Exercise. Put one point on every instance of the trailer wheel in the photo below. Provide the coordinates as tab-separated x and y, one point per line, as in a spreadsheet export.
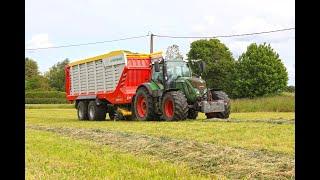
220	95
96	112
82	110
174	106
143	106
192	114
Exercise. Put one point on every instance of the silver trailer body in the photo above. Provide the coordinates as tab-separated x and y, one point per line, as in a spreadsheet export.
97	74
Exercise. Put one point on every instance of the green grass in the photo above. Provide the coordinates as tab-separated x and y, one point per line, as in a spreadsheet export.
277	138
281	103
50	156
45	94
45	97
49	106
46	101
204	158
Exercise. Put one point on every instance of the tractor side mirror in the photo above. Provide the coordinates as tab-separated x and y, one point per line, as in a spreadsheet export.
156	66
202	66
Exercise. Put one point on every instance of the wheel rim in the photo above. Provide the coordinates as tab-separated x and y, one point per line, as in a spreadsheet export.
80	114
168	108
141	106
91	112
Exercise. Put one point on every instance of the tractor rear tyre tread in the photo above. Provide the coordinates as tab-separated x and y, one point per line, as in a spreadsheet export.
180	106
150	112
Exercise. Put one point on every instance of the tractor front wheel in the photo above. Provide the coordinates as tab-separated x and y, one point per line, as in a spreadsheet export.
174	106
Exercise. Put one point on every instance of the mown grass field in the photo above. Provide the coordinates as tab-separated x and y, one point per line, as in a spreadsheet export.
50	156
262	135
247	145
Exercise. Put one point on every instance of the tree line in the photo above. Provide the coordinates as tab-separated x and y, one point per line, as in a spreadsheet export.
52	80
257	72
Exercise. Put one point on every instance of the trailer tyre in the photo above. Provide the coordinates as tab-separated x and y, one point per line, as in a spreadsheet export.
82	110
220	95
174	106
143	106
96	112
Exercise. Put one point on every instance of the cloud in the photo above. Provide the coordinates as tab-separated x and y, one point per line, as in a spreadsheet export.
210	19
253	24
39	41
199	28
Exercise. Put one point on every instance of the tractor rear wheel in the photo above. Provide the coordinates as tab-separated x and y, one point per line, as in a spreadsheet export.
82	110
96	112
143	106
174	106
220	95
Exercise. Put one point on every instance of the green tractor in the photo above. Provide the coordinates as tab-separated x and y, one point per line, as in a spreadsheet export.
174	94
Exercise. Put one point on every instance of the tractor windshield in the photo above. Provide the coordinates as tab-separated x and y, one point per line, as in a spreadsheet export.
177	68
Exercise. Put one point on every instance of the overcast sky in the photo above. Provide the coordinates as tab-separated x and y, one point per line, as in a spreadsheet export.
61	22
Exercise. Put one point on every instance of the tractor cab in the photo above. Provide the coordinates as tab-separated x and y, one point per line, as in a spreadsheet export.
175	68
178	76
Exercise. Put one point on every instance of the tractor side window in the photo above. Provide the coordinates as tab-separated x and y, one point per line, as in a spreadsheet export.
157	76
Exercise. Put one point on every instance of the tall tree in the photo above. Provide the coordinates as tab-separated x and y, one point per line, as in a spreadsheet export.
38	82
259	72
219	63
31	68
56	75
